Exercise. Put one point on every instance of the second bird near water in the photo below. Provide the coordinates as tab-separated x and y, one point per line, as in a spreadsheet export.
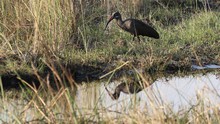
134	26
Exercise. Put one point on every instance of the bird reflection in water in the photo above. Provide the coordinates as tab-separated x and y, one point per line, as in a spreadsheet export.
131	86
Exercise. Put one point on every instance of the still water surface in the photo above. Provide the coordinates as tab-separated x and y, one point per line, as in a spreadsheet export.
176	93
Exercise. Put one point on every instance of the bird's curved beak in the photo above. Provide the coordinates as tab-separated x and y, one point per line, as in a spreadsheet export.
113	96
109	21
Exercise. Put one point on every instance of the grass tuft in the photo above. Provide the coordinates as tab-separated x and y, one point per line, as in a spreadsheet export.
54	42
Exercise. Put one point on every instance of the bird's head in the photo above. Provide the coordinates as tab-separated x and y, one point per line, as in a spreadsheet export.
115	15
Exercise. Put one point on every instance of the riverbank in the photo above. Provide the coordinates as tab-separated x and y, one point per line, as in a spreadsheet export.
52	38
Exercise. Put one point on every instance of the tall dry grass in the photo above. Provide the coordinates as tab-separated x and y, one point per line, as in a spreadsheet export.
35	34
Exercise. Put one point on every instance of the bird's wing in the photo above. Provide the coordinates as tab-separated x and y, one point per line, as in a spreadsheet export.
141	26
145	29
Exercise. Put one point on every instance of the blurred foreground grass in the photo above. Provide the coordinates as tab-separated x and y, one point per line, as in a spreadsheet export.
60	36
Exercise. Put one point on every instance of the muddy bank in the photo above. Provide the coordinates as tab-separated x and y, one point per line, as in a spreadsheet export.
78	73
71	74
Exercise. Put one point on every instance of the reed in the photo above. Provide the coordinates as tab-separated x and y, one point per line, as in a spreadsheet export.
40	36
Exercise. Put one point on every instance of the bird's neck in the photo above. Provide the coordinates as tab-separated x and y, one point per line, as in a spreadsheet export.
120	22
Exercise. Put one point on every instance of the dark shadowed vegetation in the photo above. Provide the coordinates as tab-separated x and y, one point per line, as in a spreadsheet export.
52	43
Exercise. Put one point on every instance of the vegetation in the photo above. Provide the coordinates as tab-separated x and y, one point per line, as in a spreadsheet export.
49	41
71	32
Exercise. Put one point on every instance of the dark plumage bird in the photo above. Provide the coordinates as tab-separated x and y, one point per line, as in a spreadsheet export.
127	88
134	26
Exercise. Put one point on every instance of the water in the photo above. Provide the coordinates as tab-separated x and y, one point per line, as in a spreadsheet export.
176	93
211	66
172	93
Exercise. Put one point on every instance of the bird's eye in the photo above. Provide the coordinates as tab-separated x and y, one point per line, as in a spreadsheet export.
116	17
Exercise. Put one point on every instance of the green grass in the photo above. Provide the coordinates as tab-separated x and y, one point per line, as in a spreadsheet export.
52	37
32	32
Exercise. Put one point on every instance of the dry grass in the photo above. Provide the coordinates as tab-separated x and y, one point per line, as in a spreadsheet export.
49	37
72	32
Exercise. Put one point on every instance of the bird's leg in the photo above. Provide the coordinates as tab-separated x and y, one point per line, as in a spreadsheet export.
138	38
134	37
